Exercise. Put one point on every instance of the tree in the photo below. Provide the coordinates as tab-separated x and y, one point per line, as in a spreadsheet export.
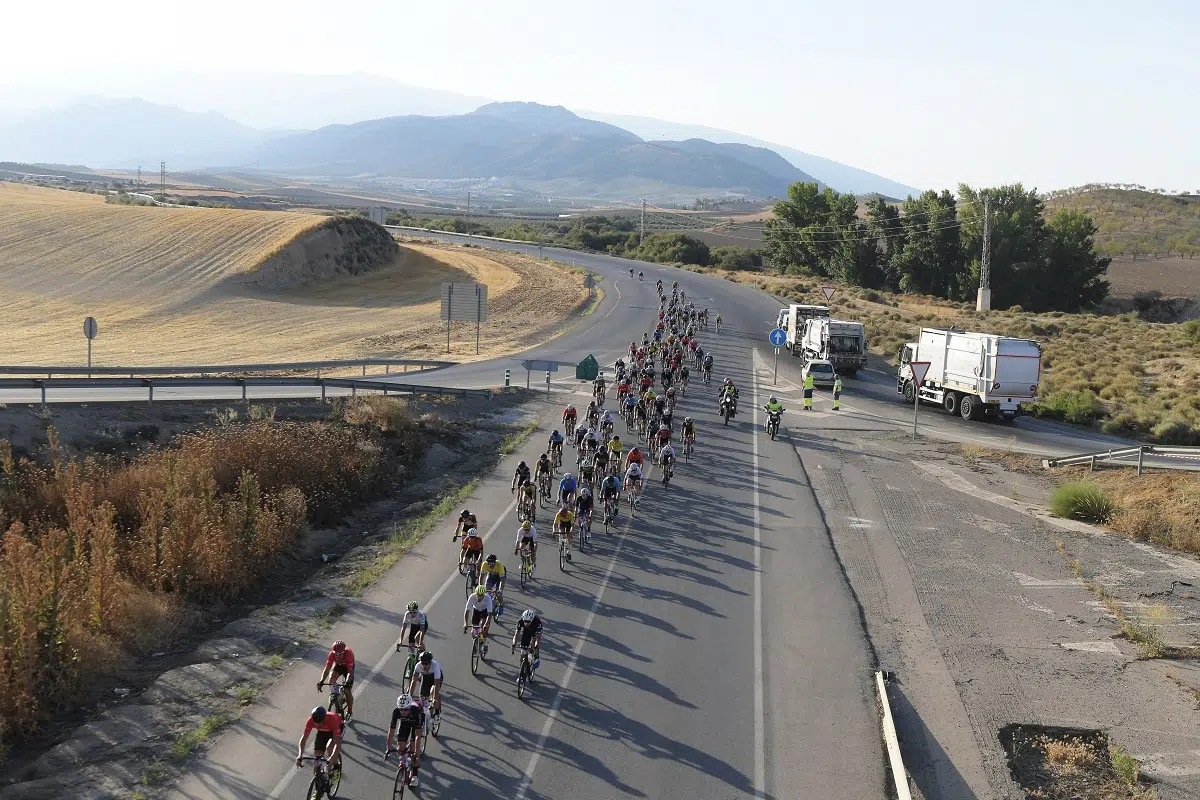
931	260
1073	269
886	230
1018	229
808	228
671	248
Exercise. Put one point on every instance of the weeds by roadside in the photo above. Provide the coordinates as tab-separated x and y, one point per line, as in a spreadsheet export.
1082	501
187	743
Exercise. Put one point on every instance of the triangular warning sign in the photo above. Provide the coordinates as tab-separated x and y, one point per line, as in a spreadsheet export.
919	369
828	290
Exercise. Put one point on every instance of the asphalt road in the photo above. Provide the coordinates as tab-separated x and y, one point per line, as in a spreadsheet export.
709	647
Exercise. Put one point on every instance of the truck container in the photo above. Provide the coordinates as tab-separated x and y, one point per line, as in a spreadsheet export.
841	343
797	316
972	374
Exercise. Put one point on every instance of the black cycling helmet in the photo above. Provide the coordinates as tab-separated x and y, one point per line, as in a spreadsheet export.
427	658
466	513
491	559
318	714
522	465
544	457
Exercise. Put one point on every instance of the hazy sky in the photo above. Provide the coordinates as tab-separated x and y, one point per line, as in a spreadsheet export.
1052	93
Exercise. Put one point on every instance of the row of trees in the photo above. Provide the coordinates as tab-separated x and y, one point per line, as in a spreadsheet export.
934	243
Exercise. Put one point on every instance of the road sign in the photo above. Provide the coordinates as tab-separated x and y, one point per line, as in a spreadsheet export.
532	364
919	370
464	302
588	281
89	328
778	337
828	292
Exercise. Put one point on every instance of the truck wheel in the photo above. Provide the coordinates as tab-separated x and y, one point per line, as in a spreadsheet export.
910	393
950	402
1008	419
968	408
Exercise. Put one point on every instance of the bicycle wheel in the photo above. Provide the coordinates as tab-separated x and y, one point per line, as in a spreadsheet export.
435	723
475	656
524	572
410	667
522	680
335	780
315	789
470	582
401	782
562	554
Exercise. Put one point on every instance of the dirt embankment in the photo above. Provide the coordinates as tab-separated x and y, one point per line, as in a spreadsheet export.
336	248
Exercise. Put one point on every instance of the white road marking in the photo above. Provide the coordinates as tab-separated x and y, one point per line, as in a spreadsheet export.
614	308
286	780
1029	580
1092	647
760	765
579	643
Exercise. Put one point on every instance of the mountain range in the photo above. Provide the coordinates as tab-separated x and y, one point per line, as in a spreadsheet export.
544	148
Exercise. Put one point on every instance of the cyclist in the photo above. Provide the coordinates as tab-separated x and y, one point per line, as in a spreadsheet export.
584	505
593	414
479	611
689	430
410	718
598	386
563	522
555	442
639	275
529	632
527	535
429	673
684	375
666	458
527	498
631	272
465	520
329	727
472	546
664	435
520	476
631	402
568	418
634	457
418	625
543	467
610	489
633	479
623	387
601	461
340	661
708	365
492	574
591	442
580	433
587	470
566	489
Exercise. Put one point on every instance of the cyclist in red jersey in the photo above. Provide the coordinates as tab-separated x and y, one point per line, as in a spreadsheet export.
329	727
340	662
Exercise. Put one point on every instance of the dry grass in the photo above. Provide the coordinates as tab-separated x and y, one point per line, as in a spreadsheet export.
103	560
1131	377
165	285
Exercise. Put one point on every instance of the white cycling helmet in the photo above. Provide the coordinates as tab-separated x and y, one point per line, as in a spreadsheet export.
403	701
527	615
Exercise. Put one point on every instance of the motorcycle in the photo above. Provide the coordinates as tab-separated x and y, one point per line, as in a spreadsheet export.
773	422
727	410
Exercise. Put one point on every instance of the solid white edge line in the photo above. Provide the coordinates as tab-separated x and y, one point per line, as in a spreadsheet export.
617	303
899	774
760	758
527	780
287	779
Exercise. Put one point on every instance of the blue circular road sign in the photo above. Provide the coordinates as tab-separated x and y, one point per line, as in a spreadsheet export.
778	337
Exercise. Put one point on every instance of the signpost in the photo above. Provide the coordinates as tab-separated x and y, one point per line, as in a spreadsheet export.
919	368
464	302
529	365
828	292
90	330
778	337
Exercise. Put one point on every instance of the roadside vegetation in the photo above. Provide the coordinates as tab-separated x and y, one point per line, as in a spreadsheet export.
1136	222
102	560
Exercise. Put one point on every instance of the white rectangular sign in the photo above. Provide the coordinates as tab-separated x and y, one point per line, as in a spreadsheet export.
464	302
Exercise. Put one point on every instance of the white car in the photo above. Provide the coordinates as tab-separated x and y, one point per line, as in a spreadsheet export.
822	372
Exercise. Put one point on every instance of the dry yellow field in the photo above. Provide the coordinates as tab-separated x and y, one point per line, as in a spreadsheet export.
163	286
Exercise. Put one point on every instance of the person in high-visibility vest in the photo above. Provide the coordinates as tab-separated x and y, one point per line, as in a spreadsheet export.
837	393
808	392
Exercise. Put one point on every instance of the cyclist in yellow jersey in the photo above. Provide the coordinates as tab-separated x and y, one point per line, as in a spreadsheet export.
492	575
616	447
564	520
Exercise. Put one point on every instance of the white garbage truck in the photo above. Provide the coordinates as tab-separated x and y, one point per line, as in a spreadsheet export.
972	374
841	343
794	320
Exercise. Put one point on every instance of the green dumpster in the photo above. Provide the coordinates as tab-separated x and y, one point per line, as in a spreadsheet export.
588	369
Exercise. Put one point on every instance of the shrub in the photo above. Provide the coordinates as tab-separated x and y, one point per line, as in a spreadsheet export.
1082	501
1175	430
1191	331
1077	406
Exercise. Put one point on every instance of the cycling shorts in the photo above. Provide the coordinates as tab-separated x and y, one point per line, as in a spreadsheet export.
493	580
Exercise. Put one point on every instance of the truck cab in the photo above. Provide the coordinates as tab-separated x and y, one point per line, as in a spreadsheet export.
798	316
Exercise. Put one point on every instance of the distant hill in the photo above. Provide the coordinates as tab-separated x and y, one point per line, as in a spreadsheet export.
840	176
538	145
1136	223
124	133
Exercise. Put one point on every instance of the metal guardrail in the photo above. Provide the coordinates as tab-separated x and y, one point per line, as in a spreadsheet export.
50	371
1119	457
149	384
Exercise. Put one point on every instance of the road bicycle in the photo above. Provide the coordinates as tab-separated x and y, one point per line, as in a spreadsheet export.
525	674
526	510
337	700
543	488
325	781
410	665
583	532
610	512
477	645
668	471
403	771
472	572
556	455
564	551
689	447
433	723
526	565
633	498
569	429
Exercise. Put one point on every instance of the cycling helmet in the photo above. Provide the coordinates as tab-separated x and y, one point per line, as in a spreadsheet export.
527	615
465	513
544	457
616	437
339	646
568	475
413	606
427	658
473	532
729	381
555	432
491	559
522	465
526	525
480	591
318	714
403	701
585	492
687	419
570	407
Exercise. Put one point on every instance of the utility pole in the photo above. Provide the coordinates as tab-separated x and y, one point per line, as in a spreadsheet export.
642	235
983	302
162	181
139	180
468	218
